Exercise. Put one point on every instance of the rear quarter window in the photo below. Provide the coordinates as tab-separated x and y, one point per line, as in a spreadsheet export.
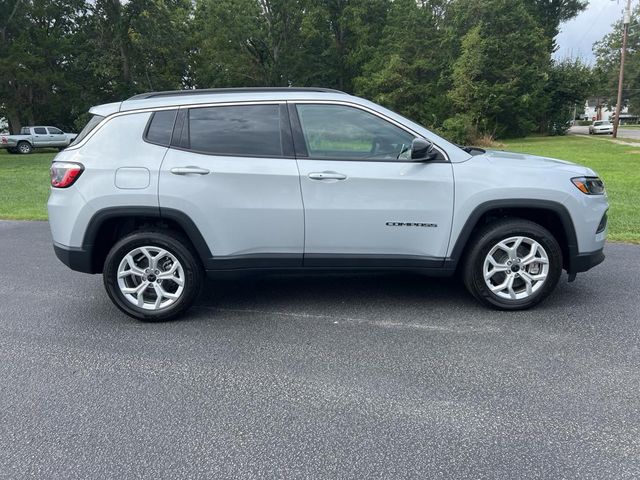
88	128
160	127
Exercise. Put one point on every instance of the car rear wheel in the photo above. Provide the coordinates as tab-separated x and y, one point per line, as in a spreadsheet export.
152	275
24	147
512	264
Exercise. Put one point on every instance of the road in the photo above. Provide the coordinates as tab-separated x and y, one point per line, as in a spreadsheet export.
383	376
622	132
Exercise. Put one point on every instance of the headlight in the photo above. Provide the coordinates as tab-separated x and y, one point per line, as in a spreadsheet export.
589	185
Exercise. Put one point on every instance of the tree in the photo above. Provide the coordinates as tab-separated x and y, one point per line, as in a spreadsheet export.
246	42
608	64
468	66
136	46
36	59
499	74
339	37
570	83
551	13
407	72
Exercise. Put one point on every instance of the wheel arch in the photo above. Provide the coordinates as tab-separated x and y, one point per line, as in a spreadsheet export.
108	225
551	215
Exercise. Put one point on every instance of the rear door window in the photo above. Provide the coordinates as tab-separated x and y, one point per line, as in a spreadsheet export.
40	131
243	130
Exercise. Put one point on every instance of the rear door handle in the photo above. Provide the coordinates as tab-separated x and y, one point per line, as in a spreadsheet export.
327	176
189	171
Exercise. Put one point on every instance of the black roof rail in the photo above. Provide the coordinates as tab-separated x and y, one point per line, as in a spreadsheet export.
209	91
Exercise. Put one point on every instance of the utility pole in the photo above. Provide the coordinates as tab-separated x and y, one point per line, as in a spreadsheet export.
625	21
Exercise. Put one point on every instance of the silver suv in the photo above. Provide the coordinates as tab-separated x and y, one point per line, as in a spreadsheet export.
165	187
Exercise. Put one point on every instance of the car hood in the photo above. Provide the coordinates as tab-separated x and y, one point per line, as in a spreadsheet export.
523	160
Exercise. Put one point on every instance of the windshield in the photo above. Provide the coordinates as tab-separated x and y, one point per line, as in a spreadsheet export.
91	124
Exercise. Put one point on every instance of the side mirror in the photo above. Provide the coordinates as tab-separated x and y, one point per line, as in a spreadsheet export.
422	150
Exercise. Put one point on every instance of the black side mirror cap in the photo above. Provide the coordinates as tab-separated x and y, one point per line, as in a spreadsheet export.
422	150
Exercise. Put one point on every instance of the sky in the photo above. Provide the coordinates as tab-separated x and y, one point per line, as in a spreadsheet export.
577	36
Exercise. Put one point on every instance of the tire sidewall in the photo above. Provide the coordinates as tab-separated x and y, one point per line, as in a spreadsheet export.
190	264
490	238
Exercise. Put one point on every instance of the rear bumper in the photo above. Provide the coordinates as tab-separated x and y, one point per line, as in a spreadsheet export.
75	258
585	261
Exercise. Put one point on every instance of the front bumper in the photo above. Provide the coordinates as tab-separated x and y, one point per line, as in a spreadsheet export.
585	261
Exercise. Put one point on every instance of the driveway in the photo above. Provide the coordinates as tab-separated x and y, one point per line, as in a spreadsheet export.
382	376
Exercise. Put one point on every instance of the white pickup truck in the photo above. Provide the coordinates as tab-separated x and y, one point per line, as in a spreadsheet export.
36	137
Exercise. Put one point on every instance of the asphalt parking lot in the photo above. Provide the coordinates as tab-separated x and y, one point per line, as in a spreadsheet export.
384	376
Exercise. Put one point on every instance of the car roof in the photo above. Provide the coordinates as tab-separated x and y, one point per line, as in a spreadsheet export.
217	95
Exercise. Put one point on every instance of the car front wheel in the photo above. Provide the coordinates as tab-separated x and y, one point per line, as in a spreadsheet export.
512	264
152	275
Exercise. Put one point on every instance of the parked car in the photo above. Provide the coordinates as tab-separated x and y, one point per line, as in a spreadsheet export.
164	187
36	137
601	126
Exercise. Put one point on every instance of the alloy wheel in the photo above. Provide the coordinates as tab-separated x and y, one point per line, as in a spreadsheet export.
516	268
151	278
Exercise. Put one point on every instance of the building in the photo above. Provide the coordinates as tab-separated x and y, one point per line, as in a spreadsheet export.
597	108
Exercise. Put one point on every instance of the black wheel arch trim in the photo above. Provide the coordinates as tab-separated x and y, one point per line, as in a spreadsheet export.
519	203
182	219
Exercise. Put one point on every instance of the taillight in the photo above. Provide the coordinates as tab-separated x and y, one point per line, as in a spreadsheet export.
64	174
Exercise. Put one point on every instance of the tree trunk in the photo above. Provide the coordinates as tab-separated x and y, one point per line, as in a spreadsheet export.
14	123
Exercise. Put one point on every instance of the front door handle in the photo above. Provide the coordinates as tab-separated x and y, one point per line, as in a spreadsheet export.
189	171
327	176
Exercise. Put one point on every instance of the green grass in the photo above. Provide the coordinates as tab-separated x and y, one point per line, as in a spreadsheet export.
24	185
24	179
618	165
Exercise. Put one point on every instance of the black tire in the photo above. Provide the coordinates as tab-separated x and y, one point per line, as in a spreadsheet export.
24	148
489	236
176	245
